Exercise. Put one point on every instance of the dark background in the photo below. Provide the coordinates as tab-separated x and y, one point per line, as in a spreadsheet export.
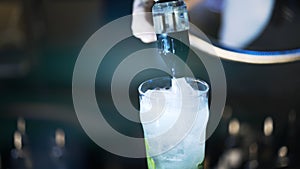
39	43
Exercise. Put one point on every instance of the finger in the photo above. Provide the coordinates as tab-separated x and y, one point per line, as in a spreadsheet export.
147	38
142	29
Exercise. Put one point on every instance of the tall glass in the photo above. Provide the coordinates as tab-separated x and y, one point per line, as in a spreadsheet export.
174	115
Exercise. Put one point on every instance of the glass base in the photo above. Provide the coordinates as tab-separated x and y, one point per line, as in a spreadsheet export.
151	164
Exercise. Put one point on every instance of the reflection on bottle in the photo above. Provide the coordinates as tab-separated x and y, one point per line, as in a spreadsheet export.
268	126
231	158
291	139
20	156
60	138
21	127
21	153
58	151
233	131
282	158
18	140
234	127
267	156
233	155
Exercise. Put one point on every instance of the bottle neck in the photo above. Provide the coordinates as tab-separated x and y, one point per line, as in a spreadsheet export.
169	17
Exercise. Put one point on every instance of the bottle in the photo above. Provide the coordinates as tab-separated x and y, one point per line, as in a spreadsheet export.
171	24
21	153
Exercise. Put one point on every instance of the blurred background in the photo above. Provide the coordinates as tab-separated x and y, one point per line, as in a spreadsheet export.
40	41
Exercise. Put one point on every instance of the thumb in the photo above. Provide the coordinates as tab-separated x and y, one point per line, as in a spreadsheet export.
140	26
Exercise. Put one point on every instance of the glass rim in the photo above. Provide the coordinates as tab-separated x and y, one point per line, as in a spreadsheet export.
198	81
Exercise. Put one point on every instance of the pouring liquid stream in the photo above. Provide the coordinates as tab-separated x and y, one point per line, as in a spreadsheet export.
174	52
171	26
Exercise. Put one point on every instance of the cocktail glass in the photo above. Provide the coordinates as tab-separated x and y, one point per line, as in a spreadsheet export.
174	115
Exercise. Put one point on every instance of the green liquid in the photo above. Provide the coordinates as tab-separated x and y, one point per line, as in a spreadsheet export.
151	162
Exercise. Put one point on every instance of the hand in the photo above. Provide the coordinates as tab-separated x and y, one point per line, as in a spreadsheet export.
142	24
